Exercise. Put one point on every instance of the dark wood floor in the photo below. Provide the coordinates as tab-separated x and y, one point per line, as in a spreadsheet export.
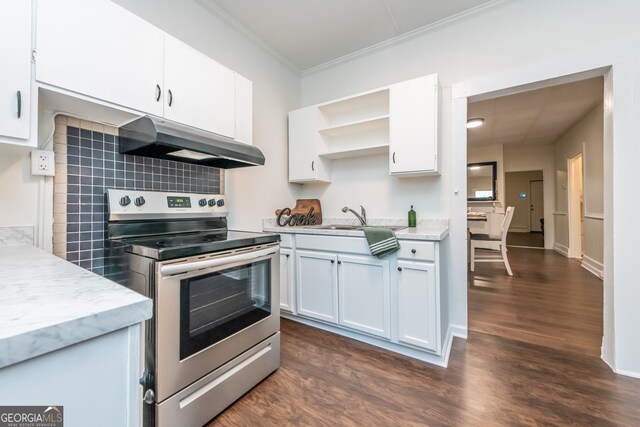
328	380
534	240
550	301
509	379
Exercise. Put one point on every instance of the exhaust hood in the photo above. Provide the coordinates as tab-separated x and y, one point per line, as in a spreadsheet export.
153	137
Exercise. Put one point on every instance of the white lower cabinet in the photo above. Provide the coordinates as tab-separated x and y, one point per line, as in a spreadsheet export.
317	285
392	302
287	296
417	304
363	285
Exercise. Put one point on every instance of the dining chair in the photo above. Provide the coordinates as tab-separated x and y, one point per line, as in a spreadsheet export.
489	244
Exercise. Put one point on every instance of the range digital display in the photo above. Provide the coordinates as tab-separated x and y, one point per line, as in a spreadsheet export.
178	202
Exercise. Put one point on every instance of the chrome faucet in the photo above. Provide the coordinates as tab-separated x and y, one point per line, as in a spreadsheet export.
363	214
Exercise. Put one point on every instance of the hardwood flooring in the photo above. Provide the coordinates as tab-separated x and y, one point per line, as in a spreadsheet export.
329	380
550	301
534	240
533	372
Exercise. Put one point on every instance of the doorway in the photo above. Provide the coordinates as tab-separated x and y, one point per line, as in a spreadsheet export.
548	293
525	192
575	211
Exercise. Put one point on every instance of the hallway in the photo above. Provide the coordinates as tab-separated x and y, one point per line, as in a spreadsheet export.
550	301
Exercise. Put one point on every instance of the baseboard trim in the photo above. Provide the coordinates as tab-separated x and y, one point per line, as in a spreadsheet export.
561	249
593	266
627	373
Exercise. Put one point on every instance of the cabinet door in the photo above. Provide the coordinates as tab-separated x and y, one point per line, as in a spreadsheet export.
363	284
413	126
99	49
304	163
316	285
417	305
199	91
287	297
244	110
15	84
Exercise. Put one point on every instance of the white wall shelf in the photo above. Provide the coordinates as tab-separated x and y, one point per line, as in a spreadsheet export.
356	152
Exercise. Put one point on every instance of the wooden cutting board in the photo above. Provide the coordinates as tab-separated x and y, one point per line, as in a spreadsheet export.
303	206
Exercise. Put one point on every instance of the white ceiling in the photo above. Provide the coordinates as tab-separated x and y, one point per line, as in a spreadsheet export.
536	117
308	33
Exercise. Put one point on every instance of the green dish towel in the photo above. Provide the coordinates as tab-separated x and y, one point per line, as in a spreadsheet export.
381	241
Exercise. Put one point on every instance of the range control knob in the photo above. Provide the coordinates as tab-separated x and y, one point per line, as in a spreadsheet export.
212	202
125	201
202	202
220	202
139	201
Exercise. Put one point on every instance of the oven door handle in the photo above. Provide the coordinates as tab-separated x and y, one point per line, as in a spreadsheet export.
173	269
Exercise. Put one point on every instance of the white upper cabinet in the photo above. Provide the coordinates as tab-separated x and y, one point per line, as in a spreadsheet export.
304	163
413	127
15	84
97	48
199	92
400	120
244	110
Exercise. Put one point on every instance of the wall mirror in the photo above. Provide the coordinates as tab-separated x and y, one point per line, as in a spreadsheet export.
481	181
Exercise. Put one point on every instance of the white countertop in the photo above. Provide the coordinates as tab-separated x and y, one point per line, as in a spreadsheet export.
434	229
47	303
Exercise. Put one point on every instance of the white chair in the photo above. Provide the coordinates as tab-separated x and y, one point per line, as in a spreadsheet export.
490	244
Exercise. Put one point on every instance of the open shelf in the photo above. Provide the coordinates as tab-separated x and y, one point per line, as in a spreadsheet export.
358	126
359	108
356	152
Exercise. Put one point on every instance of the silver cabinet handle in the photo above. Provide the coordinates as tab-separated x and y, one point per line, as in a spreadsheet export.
158	93
170	98
19	96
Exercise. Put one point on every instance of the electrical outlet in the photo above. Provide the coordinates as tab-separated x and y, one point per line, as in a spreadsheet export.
42	163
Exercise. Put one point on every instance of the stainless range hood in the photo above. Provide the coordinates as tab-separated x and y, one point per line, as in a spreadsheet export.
153	137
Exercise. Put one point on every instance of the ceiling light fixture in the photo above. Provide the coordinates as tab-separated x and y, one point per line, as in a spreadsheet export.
474	123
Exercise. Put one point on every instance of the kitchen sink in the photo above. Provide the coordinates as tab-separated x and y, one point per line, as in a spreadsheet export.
348	227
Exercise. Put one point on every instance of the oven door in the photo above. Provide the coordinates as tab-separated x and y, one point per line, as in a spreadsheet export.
210	309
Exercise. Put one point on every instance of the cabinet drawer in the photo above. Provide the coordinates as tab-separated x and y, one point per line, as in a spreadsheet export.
285	240
354	245
415	250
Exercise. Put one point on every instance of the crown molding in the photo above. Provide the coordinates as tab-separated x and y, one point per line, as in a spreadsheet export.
450	20
211	7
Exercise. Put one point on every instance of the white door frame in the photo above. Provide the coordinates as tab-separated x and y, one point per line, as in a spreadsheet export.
620	338
574	183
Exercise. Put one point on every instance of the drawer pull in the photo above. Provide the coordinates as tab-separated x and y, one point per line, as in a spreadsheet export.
413	251
399	268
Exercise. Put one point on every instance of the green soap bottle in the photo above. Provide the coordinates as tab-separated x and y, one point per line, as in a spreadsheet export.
412	217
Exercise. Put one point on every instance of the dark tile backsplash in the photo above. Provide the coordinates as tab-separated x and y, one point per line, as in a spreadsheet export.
93	166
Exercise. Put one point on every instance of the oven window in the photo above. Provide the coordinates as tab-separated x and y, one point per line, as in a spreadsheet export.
216	306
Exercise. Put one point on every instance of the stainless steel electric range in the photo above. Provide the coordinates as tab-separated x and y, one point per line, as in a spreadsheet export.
215	329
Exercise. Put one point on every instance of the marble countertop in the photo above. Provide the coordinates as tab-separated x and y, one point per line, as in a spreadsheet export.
47	303
429	229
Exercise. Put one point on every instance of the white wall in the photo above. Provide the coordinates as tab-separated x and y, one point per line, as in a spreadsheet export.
514	35
18	189
253	192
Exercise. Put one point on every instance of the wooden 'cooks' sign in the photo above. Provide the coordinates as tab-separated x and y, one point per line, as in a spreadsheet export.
306	212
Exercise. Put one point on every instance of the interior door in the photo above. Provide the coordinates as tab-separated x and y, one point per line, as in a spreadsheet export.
536	191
